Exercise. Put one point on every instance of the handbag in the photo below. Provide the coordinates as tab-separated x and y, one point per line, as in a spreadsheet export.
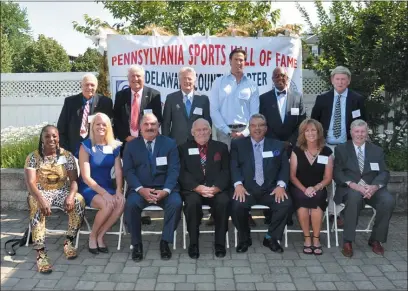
18	241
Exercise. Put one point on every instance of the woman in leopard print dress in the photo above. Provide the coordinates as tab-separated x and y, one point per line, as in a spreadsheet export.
51	175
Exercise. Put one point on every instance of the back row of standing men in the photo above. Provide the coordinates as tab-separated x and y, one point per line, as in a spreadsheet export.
233	99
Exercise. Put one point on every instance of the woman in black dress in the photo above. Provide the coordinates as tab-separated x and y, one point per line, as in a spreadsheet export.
311	170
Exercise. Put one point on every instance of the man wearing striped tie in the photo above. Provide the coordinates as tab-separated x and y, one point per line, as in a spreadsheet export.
361	177
335	110
204	180
77	113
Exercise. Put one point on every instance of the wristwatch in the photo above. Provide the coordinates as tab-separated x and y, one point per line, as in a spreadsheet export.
281	184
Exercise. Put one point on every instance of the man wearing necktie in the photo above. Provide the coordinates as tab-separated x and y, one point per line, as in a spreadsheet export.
284	111
205	180
361	177
183	107
335	110
260	173
151	168
132	103
78	111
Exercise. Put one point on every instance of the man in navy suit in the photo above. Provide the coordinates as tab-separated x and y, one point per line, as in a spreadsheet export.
260	173
151	167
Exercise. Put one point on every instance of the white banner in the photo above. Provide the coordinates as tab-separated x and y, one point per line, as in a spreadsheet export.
163	56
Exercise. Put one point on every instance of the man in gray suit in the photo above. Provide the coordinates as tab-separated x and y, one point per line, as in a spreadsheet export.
361	177
183	107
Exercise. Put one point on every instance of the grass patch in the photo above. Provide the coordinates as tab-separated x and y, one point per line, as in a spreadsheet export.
14	155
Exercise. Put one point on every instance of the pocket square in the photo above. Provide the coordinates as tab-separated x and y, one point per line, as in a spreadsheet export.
217	157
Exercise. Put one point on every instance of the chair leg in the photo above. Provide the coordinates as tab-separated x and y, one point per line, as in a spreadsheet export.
286	236
29	234
77	238
120	231
368	229
227	238
336	232
184	231
236	236
327	227
174	240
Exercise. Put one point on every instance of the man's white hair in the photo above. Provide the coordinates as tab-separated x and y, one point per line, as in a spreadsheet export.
187	69
200	120
89	76
358	122
340	70
134	68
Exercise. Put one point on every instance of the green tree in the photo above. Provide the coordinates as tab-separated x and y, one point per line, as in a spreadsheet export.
6	55
44	55
90	61
371	39
190	16
15	26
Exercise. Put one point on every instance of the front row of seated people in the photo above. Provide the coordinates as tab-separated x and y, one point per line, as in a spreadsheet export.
203	172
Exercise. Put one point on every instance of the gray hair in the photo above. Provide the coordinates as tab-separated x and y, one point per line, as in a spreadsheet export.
257	115
148	115
134	68
89	76
340	70
200	120
358	122
187	69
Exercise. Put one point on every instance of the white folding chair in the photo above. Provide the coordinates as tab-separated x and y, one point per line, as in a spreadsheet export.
366	230
204	207
327	231
46	230
157	208
254	207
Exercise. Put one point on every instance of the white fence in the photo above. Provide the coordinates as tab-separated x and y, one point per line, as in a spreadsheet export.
34	98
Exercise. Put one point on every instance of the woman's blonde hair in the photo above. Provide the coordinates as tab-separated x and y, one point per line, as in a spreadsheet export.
301	141
109	137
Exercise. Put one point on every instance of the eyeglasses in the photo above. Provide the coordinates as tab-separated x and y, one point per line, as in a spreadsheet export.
257	125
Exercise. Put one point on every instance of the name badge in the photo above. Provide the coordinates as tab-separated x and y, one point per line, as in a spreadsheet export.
145	111
356	113
107	150
294	111
322	159
267	154
90	118
161	161
374	167
198	111
62	160
193	151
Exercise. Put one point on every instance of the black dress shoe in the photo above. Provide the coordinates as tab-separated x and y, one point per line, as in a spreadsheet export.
273	245
137	253
93	250
193	252
251	221
243	246
220	251
165	252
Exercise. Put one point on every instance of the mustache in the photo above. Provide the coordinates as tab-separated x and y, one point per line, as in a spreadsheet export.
149	130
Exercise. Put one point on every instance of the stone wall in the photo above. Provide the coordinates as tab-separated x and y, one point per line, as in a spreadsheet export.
14	194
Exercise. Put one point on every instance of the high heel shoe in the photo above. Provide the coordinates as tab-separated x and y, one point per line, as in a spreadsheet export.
93	250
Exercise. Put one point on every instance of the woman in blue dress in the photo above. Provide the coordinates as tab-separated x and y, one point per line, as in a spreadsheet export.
97	155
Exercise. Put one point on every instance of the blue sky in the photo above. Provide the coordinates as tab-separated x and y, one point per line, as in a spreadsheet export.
54	19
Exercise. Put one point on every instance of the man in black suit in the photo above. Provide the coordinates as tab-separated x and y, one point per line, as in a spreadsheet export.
204	179
77	112
361	177
260	173
284	111
183	107
132	103
335	110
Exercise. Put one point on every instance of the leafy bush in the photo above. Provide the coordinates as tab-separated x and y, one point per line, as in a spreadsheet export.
17	143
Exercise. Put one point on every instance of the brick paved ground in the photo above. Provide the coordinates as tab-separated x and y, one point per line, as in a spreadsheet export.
259	269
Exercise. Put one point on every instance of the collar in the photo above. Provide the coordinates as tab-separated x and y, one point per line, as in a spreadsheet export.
189	95
231	76
138	92
254	142
276	92
205	146
362	147
344	94
85	100
153	141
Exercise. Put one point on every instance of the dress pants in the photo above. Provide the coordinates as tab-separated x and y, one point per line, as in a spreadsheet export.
240	213
134	206
193	211
382	201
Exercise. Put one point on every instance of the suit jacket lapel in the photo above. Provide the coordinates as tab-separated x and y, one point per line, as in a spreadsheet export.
290	100
182	106
250	150
145	99
352	152
265	162
367	156
275	106
348	106
193	105
157	145
210	153
330	105
94	104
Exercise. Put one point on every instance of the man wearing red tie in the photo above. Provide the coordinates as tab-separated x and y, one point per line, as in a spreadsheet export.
77	112
132	103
